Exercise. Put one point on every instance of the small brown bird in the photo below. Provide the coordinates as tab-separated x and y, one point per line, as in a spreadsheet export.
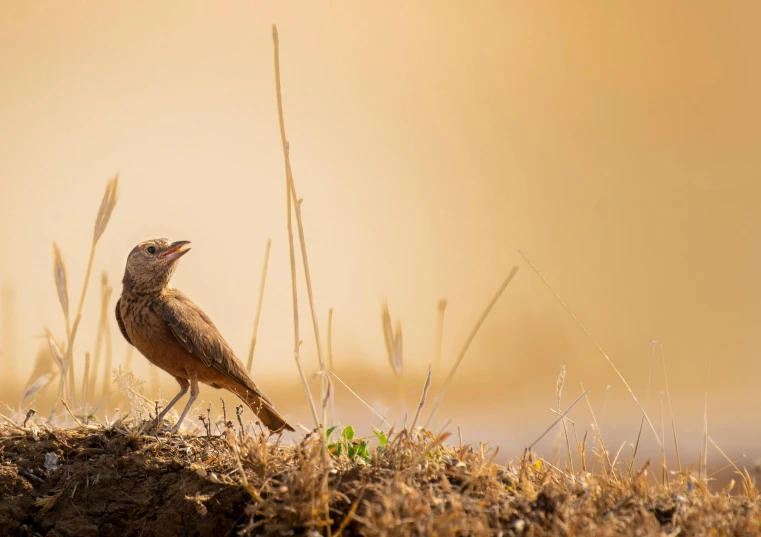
174	334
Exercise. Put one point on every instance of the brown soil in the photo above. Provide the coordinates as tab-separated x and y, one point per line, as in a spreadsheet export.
118	481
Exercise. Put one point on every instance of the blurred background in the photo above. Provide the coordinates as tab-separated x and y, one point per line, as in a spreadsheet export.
616	145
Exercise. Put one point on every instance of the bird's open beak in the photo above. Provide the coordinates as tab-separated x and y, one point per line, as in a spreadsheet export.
176	251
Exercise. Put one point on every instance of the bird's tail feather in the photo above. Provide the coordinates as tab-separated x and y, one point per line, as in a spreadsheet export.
266	413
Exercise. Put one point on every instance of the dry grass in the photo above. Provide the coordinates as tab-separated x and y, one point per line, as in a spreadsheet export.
115	478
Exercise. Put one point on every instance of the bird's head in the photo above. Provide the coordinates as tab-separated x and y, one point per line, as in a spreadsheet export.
151	263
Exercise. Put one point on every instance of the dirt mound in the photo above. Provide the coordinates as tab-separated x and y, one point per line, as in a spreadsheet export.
96	481
107	483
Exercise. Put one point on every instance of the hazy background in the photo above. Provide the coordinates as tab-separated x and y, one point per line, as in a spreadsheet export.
617	145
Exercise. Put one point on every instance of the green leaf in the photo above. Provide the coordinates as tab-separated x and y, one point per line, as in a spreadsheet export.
348	432
381	436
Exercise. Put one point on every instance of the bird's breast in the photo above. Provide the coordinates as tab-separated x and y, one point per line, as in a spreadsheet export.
150	335
142	320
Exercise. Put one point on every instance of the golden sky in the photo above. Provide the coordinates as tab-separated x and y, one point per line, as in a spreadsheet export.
617	145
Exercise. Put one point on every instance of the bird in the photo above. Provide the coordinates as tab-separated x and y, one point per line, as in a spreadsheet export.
176	335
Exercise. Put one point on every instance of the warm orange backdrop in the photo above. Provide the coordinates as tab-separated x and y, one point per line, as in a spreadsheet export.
617	144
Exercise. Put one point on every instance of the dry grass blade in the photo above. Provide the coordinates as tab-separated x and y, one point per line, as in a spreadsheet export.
704	458
398	356
36	387
597	345
85	382
560	418
66	406
101	336
55	350
259	304
748	484
329	392
330	365
330	339
647	399
422	398
470	339
392	338
442	308
359	398
671	410
106	379
59	359
45	369
559	395
59	273
107	205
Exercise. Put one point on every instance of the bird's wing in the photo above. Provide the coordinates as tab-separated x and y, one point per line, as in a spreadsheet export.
193	329
120	322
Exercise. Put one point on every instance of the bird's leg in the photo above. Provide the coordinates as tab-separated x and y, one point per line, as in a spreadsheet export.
184	385
193	395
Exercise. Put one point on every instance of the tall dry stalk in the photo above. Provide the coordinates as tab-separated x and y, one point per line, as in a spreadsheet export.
259	304
291	249
299	221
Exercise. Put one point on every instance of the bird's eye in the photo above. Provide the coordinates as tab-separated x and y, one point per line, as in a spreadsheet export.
151	249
